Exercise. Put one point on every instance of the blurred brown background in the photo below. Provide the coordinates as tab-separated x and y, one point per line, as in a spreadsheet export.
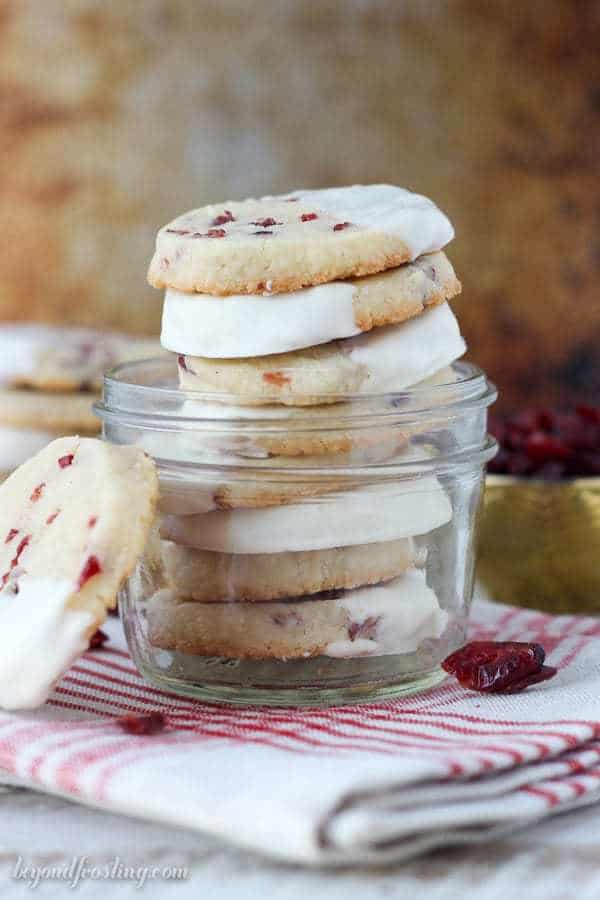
118	114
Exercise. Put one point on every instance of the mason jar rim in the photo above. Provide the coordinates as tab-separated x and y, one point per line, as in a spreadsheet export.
146	393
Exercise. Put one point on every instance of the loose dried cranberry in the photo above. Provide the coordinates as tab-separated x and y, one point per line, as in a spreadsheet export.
37	492
547	420
52	517
495	667
544	674
341	225
519	464
265	223
541	448
514	438
588	413
308	217
149	723
92	567
499	464
181	363
66	461
525	421
223	219
556	444
92	521
552	471
589	463
98	639
11	534
276	378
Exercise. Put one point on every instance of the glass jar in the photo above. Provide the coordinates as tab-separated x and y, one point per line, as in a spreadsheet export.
303	555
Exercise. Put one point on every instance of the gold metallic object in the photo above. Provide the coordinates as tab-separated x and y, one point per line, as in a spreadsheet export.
539	543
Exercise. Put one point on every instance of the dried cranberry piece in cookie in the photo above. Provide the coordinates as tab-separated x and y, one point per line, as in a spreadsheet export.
60	573
496	666
266	223
223	219
395	227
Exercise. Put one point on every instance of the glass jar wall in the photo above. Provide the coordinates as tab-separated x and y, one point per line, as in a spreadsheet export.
308	554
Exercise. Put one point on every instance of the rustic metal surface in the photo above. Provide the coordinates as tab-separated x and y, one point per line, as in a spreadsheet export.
539	543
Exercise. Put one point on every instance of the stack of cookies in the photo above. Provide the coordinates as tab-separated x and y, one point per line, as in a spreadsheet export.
49	379
297	306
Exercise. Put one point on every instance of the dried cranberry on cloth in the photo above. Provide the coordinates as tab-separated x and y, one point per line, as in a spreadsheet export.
359	785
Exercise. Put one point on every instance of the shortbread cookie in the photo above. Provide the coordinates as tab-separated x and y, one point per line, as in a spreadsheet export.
289	242
382	512
217	577
50	358
243	326
73	521
331	434
392	618
232	481
285	431
56	413
387	359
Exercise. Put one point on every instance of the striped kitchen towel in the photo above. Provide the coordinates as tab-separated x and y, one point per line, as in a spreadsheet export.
363	784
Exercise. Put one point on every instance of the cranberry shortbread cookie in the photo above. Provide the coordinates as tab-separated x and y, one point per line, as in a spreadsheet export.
369	515
244	326
292	241
209	577
73	521
55	413
52	358
387	359
395	617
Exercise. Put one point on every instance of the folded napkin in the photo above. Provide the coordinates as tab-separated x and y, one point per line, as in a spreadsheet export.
362	784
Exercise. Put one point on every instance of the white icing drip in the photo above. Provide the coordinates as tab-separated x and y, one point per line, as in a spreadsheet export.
38	647
379	513
399	615
22	345
227	327
18	444
389	209
396	357
391	358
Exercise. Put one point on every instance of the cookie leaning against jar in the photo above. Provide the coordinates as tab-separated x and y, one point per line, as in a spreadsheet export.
73	521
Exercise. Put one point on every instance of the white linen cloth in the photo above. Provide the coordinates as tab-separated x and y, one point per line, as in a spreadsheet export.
363	784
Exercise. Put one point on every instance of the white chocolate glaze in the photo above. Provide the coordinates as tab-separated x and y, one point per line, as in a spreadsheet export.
39	646
386	208
380	513
398	616
253	325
